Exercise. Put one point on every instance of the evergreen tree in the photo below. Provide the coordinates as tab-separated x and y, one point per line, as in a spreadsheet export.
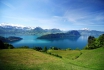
1	45
91	42
101	40
45	49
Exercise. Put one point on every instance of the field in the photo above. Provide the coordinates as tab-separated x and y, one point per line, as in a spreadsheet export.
29	59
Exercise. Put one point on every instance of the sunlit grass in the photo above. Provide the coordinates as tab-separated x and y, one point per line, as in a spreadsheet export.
29	59
92	59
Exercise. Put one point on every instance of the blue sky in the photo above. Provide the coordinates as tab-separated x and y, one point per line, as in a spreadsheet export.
62	14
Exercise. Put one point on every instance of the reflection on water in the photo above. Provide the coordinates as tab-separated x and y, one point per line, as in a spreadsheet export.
84	37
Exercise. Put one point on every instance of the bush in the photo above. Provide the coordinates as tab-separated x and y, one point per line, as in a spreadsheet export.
45	49
55	48
24	47
8	46
101	40
77	48
49	53
68	49
56	55
1	45
37	48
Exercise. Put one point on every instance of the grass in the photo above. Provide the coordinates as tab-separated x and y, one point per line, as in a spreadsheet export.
92	59
29	59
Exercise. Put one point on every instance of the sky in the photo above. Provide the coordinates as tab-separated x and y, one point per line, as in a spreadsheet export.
48	14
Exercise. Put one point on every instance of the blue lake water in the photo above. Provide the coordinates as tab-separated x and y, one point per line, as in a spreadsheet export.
32	41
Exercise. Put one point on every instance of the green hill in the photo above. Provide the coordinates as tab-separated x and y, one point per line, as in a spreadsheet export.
29	59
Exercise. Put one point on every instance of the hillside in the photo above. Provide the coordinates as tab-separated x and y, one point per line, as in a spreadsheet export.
29	59
66	35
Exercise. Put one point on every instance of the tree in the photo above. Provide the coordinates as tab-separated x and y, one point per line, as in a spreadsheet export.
91	40
1	45
101	40
37	48
8	46
45	49
54	48
94	43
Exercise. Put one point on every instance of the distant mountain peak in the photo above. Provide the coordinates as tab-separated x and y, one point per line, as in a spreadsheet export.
16	26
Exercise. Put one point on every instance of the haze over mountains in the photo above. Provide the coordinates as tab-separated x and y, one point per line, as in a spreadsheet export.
20	29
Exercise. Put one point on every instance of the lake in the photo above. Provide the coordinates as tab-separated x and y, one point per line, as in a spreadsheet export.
32	41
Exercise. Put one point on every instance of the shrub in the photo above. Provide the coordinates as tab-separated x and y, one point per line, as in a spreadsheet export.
68	49
77	48
8	46
101	40
49	53
56	55
55	48
45	49
1	45
24	47
37	48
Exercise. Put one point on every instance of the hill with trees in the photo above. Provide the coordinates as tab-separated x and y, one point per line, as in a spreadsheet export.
10	39
69	34
94	43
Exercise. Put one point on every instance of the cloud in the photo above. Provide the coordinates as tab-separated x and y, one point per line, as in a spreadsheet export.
8	5
42	22
82	17
85	29
11	24
73	15
18	18
100	16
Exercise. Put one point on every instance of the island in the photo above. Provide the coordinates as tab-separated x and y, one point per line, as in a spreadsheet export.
67	35
10	39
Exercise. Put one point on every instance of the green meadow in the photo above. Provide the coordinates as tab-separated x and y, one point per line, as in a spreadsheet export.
29	59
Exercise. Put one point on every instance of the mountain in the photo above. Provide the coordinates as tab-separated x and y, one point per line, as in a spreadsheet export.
16	29
90	32
73	33
14	26
57	36
19	29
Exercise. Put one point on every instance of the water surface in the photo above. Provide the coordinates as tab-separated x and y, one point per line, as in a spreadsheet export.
32	41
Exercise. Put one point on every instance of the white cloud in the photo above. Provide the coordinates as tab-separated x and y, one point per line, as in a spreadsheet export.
83	17
9	5
11	24
73	15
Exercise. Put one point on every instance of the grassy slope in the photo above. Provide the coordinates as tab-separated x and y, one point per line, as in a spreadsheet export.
28	59
93	59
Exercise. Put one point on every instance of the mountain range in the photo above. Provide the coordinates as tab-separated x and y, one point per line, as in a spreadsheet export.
19	29
23	30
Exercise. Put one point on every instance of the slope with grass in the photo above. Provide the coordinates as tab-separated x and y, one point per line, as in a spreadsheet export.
93	59
29	59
